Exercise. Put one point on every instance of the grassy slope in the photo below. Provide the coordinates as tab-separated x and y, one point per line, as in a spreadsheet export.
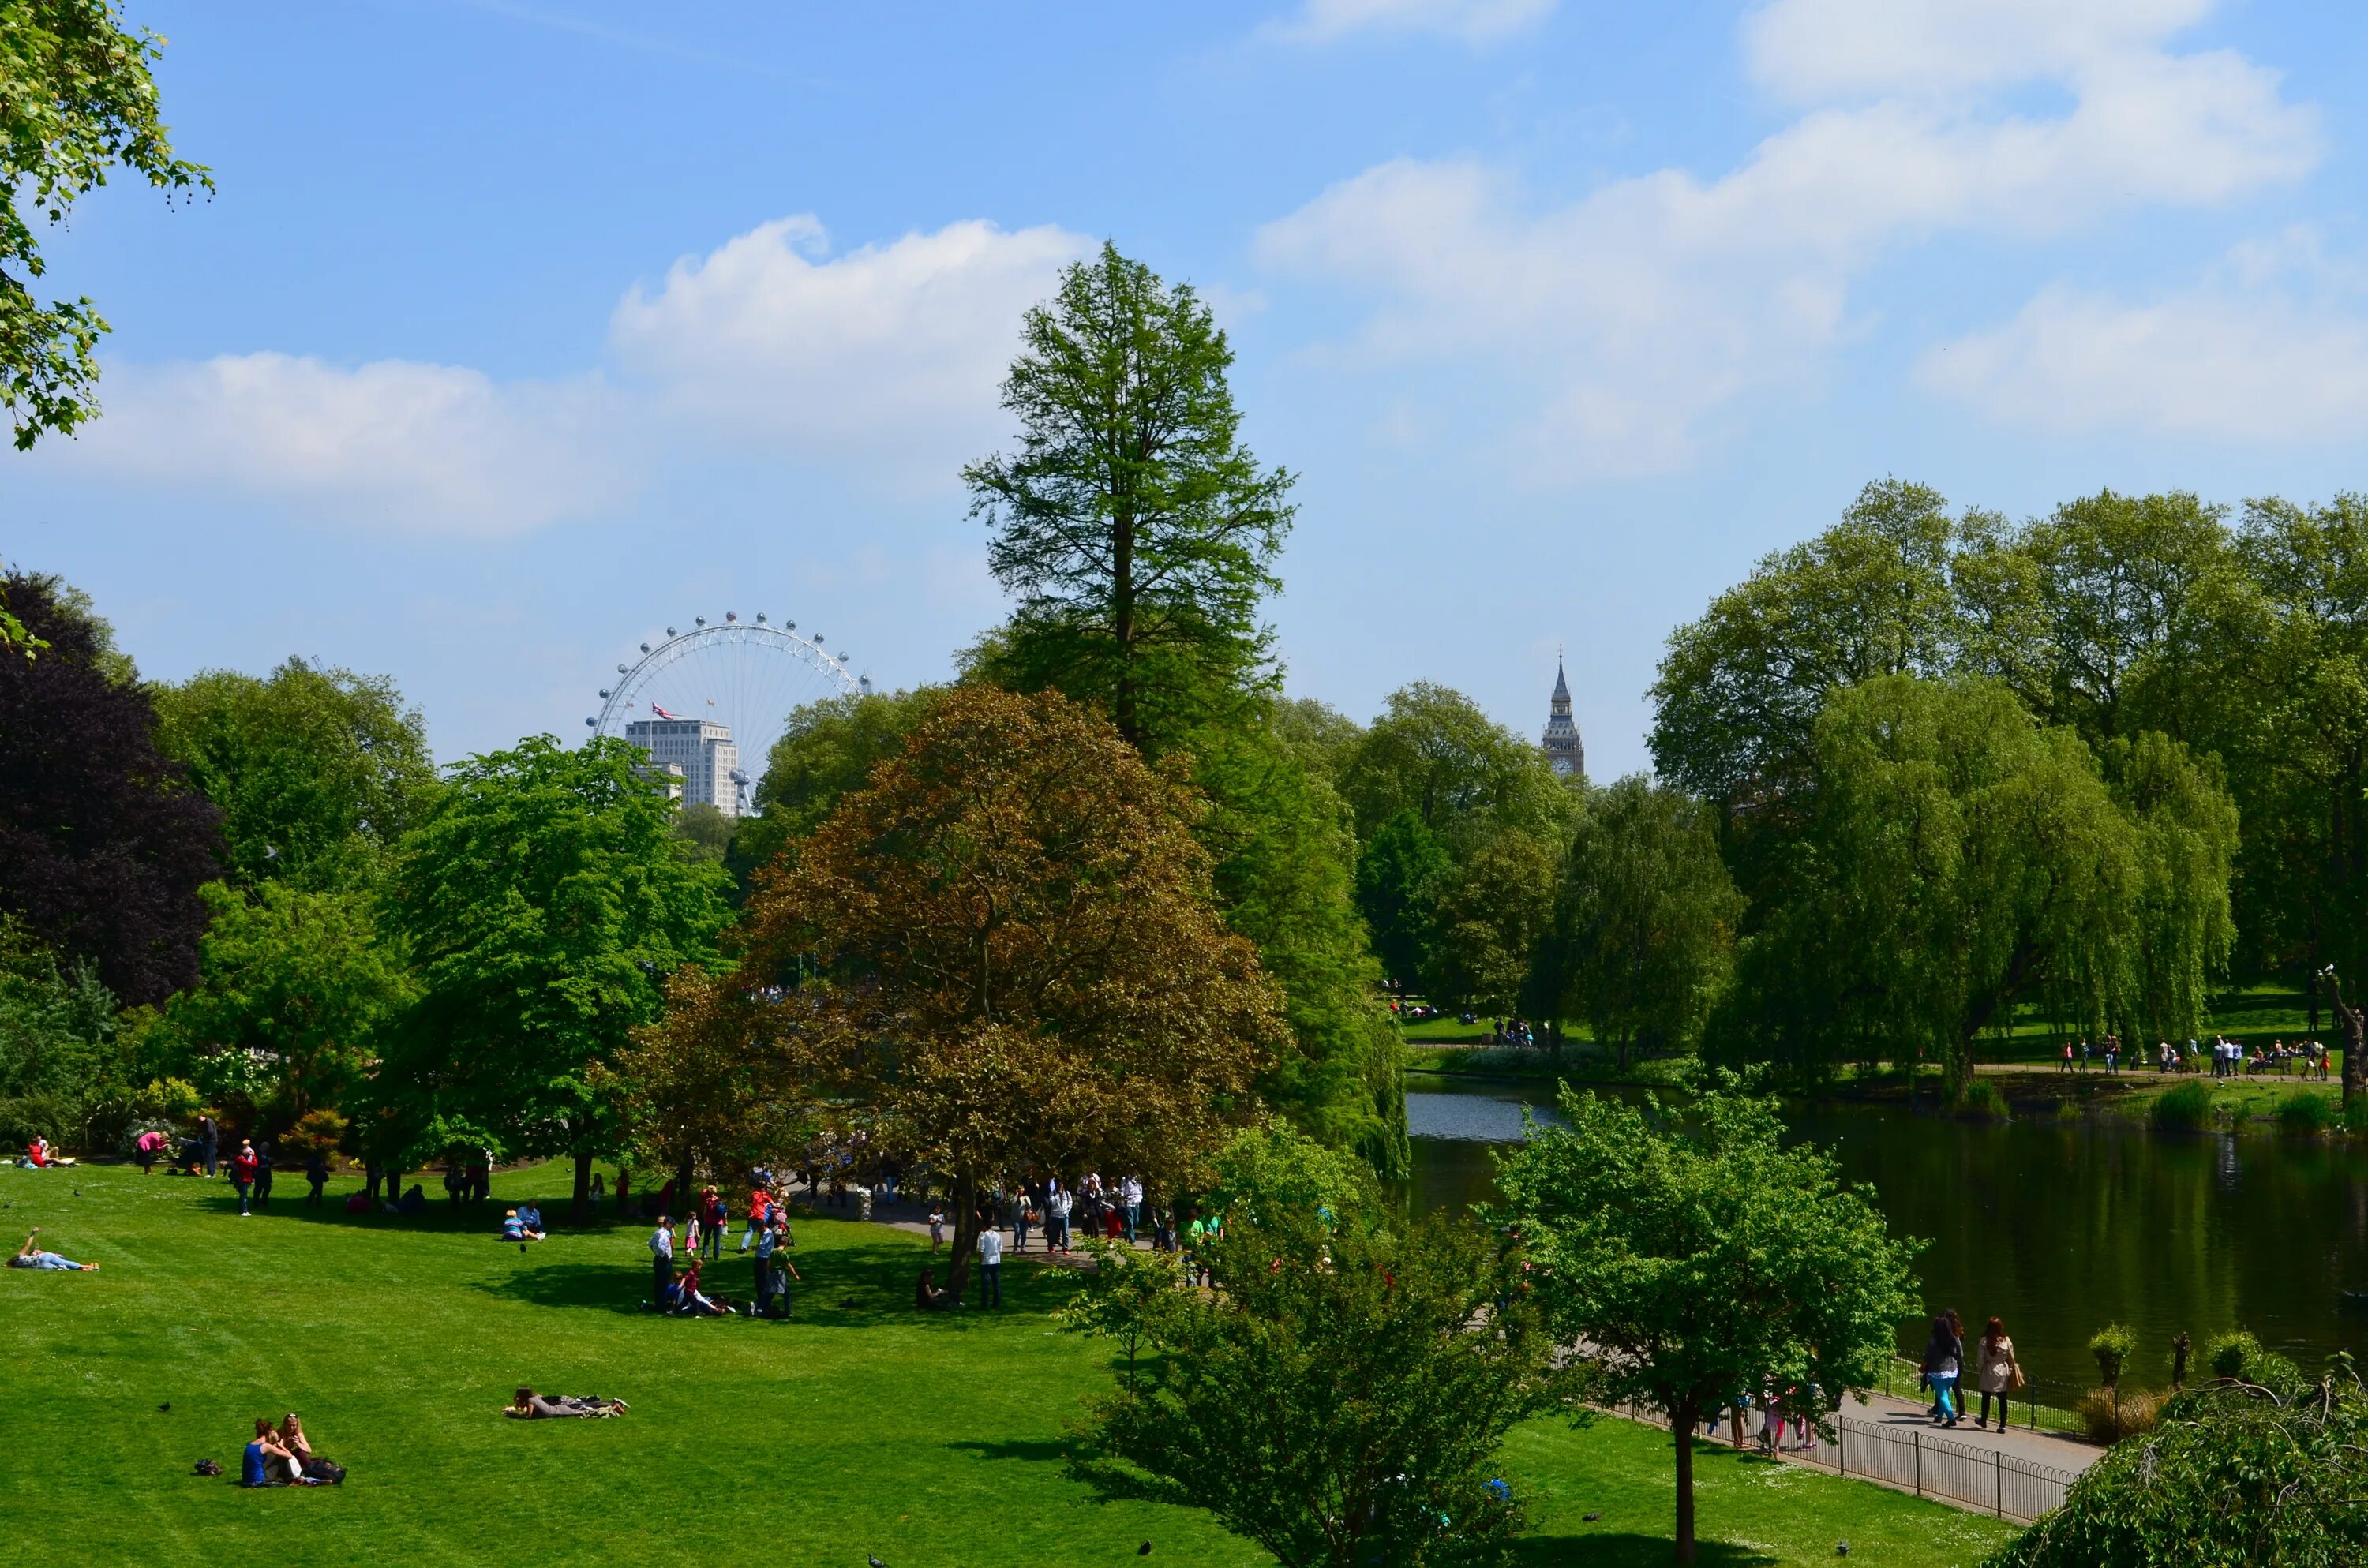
861	1428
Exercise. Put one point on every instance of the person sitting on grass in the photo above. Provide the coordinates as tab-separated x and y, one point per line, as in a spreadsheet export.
927	1297
27	1258
690	1304
513	1229
415	1201
531	1218
531	1406
267	1461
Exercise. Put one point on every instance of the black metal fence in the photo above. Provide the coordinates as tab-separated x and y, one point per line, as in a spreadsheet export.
1976	1476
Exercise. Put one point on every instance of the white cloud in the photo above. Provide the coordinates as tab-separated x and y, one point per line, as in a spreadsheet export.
1474	21
1634	314
437	449
889	349
2270	347
883	362
1818	49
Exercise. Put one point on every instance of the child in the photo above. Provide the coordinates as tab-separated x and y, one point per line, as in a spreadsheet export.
937	1226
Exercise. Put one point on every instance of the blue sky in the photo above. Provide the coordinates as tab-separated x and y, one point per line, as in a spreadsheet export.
517	331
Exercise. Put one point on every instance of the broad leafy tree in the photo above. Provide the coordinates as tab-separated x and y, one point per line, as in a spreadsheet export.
317	771
76	104
693	1093
1962	859
1695	1254
1012	959
544	903
103	842
827	749
61	1060
1737	701
1491	917
1400	874
305	976
1341	1398
1464	776
1135	529
1641	942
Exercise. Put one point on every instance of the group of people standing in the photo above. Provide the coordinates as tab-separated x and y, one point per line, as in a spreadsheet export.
702	1242
1997	1373
2229	1058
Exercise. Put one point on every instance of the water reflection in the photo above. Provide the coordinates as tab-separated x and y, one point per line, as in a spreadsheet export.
2057	1226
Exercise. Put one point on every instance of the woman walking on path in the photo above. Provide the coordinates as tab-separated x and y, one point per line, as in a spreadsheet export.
1997	1371
1944	1357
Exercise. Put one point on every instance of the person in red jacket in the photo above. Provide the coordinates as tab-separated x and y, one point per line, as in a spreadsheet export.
242	1173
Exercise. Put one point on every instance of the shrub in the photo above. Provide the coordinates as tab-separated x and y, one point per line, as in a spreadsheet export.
323	1130
2356	1116
2112	1346
2306	1115
2227	1477
2239	1357
169	1099
2189	1108
1983	1102
2229	1353
2109	1415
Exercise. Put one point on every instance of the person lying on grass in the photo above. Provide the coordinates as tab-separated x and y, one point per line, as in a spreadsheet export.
27	1258
530	1405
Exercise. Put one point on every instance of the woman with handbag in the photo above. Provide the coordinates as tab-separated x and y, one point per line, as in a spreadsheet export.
1998	1372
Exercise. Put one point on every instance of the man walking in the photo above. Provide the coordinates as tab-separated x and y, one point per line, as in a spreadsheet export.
661	1262
990	1267
208	1141
1131	1192
242	1174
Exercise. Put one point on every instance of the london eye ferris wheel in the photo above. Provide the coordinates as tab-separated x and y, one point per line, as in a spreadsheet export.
748	675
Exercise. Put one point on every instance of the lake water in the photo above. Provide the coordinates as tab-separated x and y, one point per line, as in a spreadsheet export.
2058	1227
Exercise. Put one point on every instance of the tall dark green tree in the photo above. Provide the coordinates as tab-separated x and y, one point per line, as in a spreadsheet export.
1399	875
1136	531
1464	776
545	905
827	749
103	842
76	104
1642	937
318	771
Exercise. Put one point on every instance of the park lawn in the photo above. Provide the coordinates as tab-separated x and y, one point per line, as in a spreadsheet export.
859	1428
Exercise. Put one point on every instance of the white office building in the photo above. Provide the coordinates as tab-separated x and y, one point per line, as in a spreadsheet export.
700	751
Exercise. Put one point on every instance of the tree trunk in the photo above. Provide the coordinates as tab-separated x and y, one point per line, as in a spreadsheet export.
2355	1038
1122	708
965	1235
1681	1423
580	1212
683	1196
1623	1054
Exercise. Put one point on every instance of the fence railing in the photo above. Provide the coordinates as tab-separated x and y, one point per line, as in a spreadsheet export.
1989	1479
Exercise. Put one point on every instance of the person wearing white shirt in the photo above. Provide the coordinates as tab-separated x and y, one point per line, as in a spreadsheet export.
1130	1193
661	1262
990	1267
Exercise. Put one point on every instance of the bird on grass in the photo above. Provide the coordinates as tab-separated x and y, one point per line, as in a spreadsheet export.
874	1561
166	1405
1592	1518
1144	1551
1841	1549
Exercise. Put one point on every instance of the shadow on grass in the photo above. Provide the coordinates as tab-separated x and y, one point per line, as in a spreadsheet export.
858	1286
1625	1548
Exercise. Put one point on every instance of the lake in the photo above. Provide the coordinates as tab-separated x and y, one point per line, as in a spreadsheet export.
2057	1226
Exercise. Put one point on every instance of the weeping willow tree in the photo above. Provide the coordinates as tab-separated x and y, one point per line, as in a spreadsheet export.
1958	860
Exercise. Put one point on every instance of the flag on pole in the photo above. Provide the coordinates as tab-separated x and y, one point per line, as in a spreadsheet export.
662	713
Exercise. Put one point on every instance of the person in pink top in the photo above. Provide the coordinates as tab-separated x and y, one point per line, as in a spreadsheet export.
151	1143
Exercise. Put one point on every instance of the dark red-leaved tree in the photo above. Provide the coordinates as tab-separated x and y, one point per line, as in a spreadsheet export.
103	842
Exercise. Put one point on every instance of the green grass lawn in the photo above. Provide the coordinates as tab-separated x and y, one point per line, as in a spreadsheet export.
859	1428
